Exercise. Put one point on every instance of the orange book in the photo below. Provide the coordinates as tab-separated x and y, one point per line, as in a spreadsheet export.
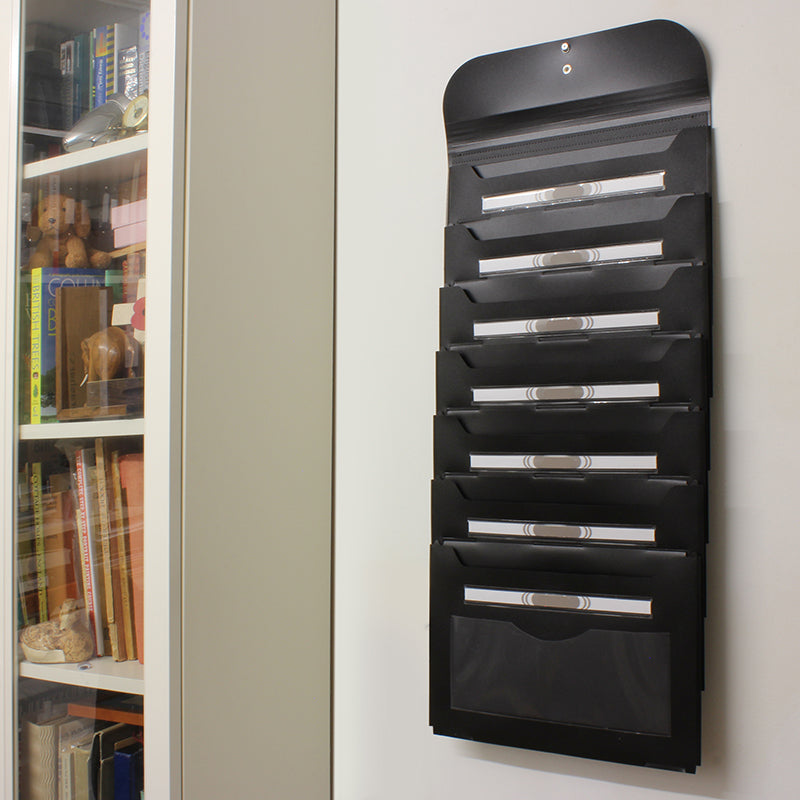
59	533
121	540
112	590
131	471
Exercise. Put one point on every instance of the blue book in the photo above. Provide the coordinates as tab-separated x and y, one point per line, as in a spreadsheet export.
128	772
42	311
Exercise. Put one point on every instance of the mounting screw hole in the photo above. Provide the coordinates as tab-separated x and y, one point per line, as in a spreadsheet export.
566	69
565	47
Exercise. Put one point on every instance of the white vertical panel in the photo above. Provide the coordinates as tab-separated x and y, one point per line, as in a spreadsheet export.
163	398
9	58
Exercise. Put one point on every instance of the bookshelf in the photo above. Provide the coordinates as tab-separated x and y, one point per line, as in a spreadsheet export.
93	580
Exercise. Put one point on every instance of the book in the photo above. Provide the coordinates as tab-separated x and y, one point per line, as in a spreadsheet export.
43	285
38	527
125	60
38	758
131	469
121	536
129	213
81	768
86	523
80	312
82	74
126	235
68	83
101	759
143	48
128	71
103	64
133	268
111	572
128	771
70	733
59	531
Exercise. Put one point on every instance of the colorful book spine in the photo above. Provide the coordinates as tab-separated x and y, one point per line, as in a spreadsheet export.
110	561
67	64
83	72
131	468
38	523
124	559
36	347
103	68
144	52
88	552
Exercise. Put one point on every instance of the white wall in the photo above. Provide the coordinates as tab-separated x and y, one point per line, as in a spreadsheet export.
394	60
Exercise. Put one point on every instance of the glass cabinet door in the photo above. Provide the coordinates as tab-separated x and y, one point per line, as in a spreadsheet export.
81	266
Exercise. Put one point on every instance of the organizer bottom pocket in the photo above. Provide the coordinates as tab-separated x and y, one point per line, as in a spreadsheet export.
602	678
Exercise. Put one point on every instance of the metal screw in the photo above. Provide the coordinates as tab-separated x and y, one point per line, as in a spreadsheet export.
565	47
566	69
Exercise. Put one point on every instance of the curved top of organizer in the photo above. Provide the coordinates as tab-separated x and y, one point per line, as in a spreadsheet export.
622	70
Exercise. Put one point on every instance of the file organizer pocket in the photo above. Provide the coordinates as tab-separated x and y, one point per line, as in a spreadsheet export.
607	298
604	368
600	439
550	641
599	165
663	229
583	509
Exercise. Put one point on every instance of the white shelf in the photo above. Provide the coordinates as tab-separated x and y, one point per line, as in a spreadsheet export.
105	163
83	430
99	673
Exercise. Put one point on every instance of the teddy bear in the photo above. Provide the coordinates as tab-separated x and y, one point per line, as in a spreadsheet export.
63	225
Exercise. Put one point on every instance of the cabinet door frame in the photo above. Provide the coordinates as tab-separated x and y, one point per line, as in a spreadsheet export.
164	396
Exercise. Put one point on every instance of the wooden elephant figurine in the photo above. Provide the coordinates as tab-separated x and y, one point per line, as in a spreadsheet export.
109	354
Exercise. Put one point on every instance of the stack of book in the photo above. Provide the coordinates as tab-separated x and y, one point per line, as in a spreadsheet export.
81	537
74	751
107	60
129	223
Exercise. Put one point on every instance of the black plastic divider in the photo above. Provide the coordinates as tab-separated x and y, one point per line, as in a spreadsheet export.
664	441
677	229
571	446
682	157
618	686
561	301
586	509
665	369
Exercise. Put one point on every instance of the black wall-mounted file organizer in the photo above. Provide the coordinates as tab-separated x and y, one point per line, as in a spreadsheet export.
569	500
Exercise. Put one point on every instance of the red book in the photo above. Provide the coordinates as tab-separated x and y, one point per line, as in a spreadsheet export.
131	472
85	519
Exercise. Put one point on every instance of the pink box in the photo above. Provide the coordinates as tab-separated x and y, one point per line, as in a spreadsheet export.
127	235
129	213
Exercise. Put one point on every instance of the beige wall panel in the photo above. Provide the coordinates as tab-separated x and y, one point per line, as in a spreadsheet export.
258	400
